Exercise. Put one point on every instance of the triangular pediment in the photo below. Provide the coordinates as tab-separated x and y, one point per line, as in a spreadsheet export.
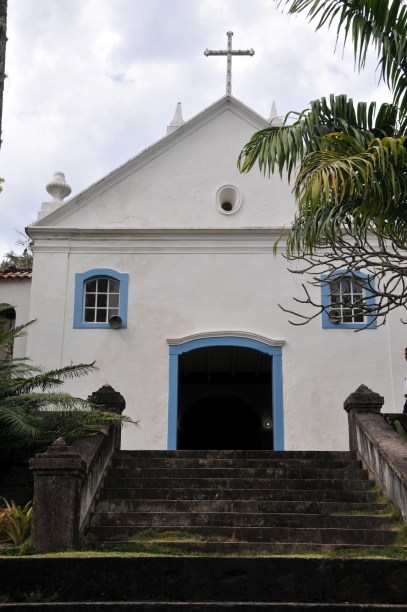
174	182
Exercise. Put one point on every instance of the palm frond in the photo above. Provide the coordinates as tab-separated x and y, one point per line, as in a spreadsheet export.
283	148
15	422
27	407
46	380
10	334
351	187
45	401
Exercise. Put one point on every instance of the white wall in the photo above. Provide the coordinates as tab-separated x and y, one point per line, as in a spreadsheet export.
175	294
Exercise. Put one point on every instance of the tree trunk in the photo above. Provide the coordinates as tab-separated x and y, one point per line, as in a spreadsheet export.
3	41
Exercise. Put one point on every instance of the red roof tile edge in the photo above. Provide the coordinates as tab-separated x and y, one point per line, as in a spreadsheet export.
8	274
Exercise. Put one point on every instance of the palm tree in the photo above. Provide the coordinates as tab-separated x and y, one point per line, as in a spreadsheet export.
33	413
350	160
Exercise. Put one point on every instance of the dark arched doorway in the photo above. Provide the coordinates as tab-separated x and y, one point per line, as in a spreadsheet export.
225	399
183	371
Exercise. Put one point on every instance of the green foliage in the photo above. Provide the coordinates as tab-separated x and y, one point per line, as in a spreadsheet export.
350	162
400	430
27	548
349	187
33	412
351	170
15	522
151	535
20	261
282	148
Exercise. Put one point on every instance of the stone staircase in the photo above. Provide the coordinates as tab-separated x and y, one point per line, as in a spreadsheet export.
239	502
219	525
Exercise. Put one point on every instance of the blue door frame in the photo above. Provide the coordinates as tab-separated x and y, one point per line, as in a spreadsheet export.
175	350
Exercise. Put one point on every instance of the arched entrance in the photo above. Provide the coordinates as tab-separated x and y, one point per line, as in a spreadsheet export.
8	322
225	392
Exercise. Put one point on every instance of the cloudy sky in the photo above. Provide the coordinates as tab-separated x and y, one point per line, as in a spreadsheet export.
90	83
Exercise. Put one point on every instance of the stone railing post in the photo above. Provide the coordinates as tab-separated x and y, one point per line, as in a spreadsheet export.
67	478
362	400
113	401
58	476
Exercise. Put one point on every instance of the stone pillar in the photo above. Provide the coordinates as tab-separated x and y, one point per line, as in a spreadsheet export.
113	401
362	400
58	476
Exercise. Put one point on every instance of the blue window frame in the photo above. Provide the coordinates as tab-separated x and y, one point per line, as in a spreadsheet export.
99	294
341	295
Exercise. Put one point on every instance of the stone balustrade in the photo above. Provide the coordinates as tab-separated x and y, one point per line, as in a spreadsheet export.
381	448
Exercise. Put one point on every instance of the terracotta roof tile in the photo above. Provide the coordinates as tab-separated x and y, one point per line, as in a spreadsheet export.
9	274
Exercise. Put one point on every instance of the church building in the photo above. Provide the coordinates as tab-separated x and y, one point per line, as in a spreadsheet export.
163	272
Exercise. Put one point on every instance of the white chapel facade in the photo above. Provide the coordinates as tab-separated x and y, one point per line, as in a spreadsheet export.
163	273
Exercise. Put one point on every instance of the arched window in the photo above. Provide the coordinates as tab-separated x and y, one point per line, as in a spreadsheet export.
100	294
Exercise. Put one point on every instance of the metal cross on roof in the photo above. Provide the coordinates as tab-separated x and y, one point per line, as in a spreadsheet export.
229	54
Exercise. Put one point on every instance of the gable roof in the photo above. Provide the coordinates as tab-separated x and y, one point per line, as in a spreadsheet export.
227	102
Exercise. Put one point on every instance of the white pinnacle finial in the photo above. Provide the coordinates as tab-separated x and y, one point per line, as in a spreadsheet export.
177	120
59	189
274	119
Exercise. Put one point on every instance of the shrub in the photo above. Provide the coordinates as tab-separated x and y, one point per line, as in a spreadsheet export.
15	522
33	413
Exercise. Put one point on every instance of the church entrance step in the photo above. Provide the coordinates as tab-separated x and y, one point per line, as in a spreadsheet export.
239	505
191	606
239	454
240	519
357	537
123	460
239	483
285	473
224	500
181	493
174	547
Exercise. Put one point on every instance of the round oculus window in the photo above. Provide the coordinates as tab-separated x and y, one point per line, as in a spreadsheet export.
228	199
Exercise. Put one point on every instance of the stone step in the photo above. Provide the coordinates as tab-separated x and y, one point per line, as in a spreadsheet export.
123	461
182	493
355	537
175	520
268	500
240	454
294	472
185	546
191	606
239	505
239	483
